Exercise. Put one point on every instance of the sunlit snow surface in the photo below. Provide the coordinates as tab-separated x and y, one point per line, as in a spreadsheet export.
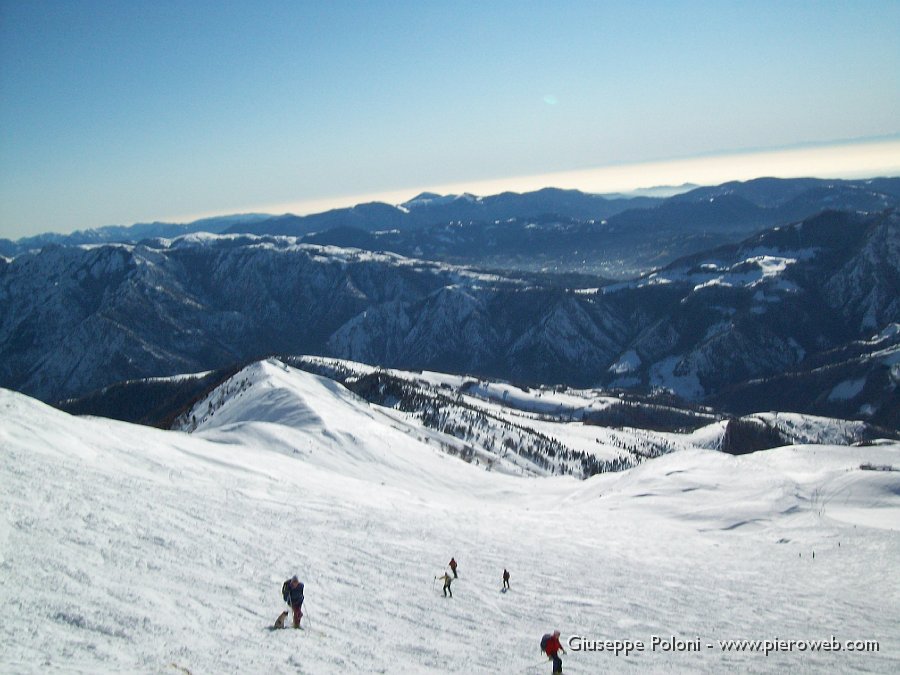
126	549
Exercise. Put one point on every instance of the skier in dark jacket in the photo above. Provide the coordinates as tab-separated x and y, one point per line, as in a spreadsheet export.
453	566
293	595
505	578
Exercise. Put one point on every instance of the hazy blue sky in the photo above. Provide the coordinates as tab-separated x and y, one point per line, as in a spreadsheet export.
126	111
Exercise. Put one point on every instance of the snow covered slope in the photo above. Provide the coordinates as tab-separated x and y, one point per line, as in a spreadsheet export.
555	430
128	549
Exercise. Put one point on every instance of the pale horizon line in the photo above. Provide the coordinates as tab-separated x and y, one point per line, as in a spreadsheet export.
871	158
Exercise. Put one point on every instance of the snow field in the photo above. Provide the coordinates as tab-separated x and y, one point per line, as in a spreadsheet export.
127	549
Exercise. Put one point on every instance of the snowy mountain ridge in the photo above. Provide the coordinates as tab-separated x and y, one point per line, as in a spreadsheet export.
500	427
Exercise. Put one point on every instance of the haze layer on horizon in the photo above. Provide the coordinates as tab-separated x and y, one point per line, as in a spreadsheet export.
849	160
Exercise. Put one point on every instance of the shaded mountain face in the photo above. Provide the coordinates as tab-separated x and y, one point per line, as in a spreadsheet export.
856	380
76	319
772	303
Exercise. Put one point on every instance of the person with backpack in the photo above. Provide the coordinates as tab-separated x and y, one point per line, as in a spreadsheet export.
453	567
505	578
292	592
551	646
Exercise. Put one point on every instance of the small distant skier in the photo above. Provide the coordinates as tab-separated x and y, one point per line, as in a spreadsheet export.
505	578
447	579
292	592
453	567
552	647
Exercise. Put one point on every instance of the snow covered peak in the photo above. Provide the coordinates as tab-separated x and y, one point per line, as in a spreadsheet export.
425	199
431	199
265	391
300	414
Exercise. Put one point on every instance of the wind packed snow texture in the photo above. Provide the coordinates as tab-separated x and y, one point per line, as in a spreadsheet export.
128	549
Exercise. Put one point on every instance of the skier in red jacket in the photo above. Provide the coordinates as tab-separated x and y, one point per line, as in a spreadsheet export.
552	648
453	566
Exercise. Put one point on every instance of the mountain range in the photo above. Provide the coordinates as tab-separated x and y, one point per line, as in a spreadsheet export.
552	230
623	240
815	302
